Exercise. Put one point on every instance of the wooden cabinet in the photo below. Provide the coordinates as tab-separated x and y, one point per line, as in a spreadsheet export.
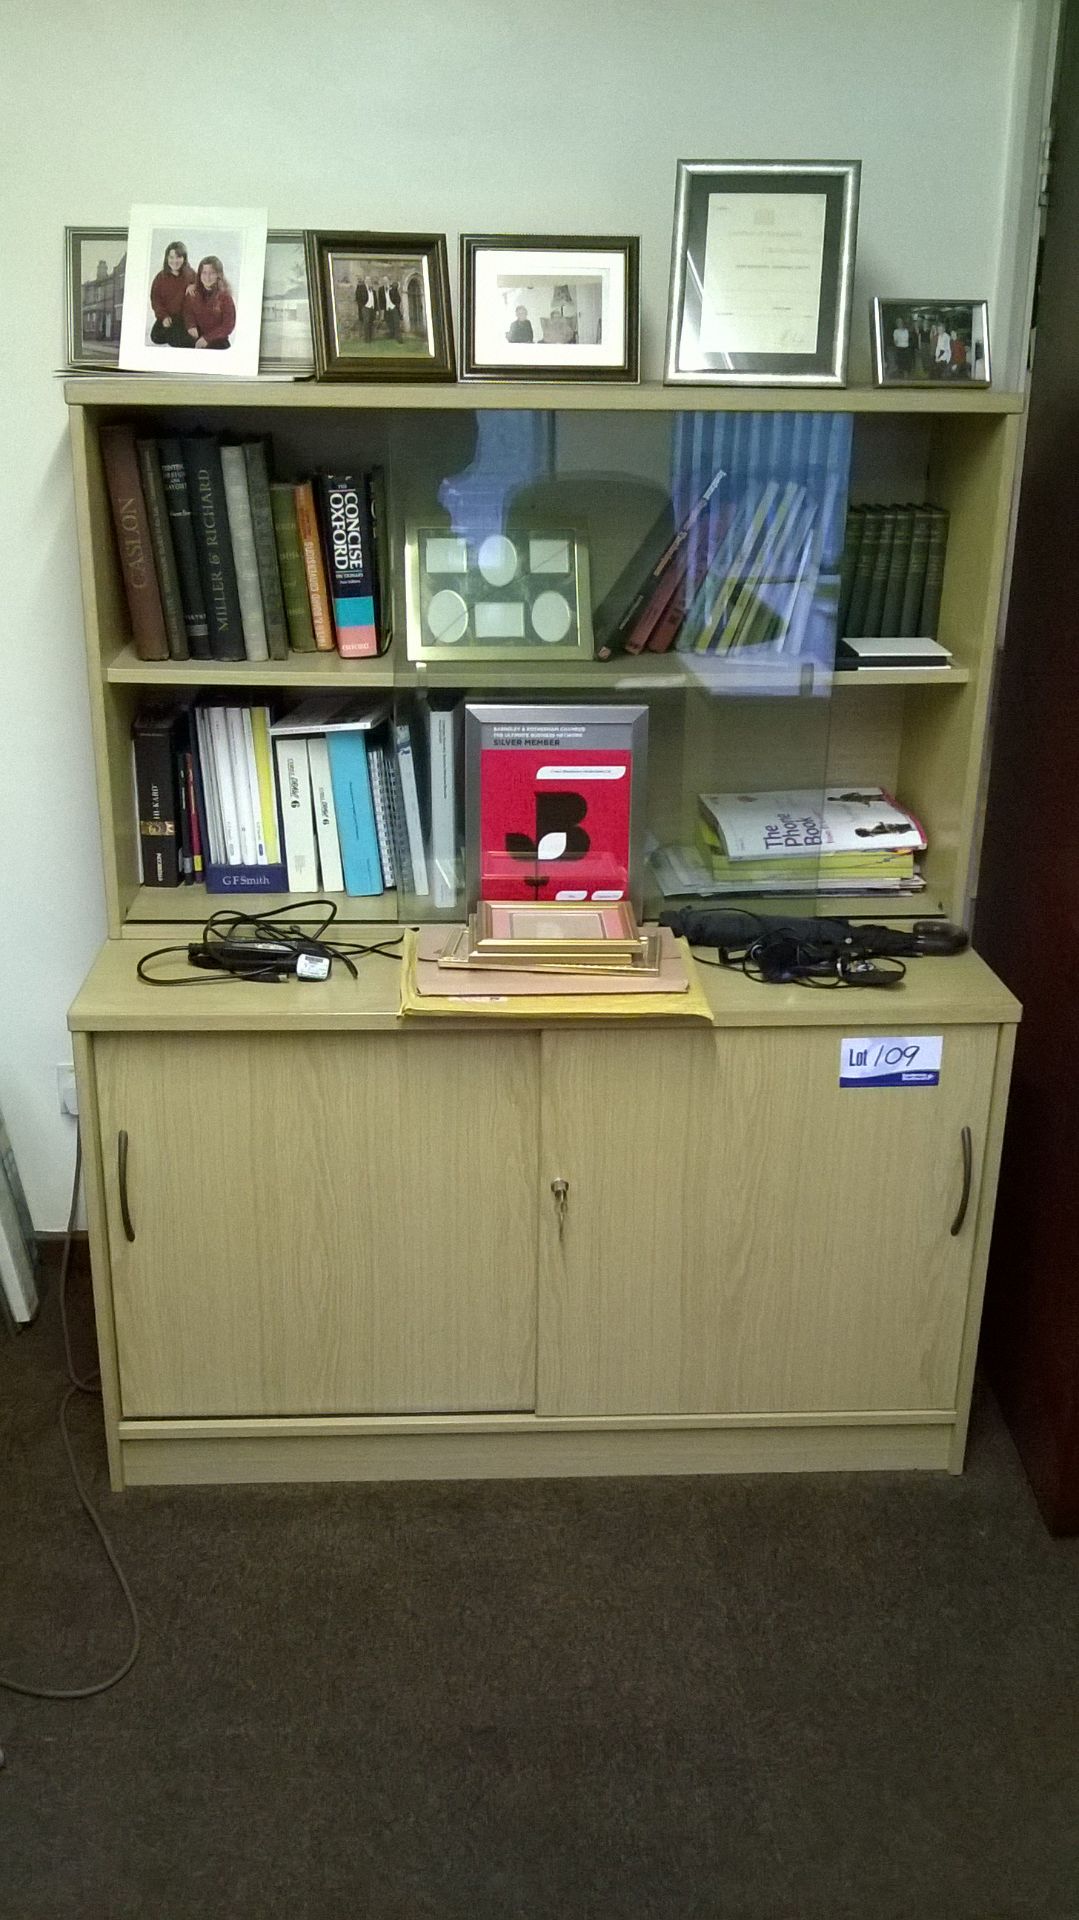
312	1231
353	1255
739	1234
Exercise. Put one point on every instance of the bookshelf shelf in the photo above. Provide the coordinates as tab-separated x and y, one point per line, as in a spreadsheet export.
650	673
125	668
135	390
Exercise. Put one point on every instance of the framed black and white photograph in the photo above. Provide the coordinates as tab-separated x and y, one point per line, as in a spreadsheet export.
761	270
95	264
193	290
497	595
549	307
285	343
380	305
922	342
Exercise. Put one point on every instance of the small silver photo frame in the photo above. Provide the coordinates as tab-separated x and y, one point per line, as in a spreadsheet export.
924	341
761	270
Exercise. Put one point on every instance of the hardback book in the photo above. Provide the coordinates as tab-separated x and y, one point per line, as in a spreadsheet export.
898	568
297	817
851	543
773	826
375	483
153	732
635	629
329	849
934	572
209	513
878	583
317	590
445	721
183	819
262	526
148	630
868	548
690	577
174	483
395	800
301	633
198	865
380	799
267	786
157	515
910	613
405	753
356	829
245	559
245	788
350	563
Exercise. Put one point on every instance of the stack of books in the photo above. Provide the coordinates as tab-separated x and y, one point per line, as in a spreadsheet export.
892	572
339	796
220	562
843	841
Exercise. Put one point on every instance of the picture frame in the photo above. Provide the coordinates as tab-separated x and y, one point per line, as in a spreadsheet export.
380	306
95	262
762	264
285	344
550	307
497	594
926	342
193	291
554	802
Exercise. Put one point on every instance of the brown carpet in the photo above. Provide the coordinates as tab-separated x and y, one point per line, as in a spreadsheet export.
745	1699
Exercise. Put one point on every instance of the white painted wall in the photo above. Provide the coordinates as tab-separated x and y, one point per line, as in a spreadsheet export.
456	115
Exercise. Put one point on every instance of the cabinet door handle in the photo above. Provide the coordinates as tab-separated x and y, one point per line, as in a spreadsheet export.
968	1170
121	1172
560	1189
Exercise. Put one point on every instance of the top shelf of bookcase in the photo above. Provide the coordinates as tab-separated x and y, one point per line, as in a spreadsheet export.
147	390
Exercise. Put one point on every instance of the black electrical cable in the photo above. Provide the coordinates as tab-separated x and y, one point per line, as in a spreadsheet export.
801	963
223	935
88	1385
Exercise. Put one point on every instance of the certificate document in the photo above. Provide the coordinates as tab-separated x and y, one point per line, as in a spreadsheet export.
763	260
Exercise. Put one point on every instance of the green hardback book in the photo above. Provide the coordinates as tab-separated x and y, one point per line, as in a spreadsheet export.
852	541
879	578
911	609
273	602
934	573
168	580
301	632
872	524
897	571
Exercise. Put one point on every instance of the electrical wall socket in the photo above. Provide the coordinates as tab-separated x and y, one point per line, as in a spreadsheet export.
67	1090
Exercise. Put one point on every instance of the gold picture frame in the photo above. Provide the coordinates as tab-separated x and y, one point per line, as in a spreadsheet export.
497	594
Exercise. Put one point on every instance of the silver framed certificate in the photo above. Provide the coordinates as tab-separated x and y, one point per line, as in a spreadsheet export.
761	272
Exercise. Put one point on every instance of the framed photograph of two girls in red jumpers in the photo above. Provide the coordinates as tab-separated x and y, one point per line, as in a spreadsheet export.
193	290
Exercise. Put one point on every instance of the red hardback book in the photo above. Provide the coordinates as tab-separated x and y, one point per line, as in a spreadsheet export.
310	545
129	517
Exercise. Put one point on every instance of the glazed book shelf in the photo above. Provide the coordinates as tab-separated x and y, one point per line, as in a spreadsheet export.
502	1248
598	461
